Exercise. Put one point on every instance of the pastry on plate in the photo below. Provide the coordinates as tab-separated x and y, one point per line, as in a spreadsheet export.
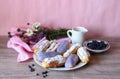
42	55
53	62
71	50
83	54
42	46
38	44
52	47
63	46
71	61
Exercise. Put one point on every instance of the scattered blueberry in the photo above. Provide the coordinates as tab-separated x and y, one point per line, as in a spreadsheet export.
37	74
46	72
43	73
33	64
44	76
29	66
32	69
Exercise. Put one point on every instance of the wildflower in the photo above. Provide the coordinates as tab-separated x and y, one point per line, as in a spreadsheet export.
29	32
36	25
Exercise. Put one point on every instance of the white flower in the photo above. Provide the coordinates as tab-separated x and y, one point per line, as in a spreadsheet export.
29	32
35	29
36	25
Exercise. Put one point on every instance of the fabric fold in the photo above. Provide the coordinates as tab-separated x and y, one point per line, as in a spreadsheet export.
24	51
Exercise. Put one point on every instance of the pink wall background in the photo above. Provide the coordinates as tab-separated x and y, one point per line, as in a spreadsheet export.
100	17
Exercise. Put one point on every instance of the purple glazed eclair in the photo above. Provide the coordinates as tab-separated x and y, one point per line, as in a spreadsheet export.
71	61
63	46
42	55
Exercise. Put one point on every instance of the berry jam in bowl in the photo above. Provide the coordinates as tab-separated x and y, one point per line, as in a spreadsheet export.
96	45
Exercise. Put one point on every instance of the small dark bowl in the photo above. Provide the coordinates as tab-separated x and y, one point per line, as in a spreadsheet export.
85	44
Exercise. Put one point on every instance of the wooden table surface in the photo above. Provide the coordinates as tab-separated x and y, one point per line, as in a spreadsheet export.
102	66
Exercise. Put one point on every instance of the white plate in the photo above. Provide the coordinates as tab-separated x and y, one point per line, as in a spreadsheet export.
60	68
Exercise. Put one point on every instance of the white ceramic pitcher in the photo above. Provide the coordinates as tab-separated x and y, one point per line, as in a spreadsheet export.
77	34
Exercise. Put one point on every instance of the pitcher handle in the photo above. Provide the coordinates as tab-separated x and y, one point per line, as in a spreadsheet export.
68	33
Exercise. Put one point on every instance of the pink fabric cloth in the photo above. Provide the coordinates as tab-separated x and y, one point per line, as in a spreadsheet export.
24	51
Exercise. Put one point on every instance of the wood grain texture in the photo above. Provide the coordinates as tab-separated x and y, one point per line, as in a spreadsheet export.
102	66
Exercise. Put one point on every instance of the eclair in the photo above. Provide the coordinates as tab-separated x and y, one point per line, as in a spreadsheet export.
42	46
38	44
52	47
71	50
55	47
53	62
63	46
83	54
42	55
71	61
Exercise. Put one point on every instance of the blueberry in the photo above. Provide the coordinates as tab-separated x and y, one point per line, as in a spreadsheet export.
94	42
96	45
33	64
29	66
90	45
43	73
46	72
32	69
44	76
104	46
37	74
